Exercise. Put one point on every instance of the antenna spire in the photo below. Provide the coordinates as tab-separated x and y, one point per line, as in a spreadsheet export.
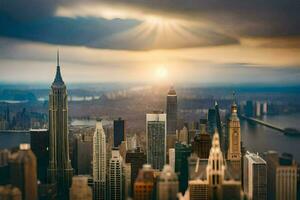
57	57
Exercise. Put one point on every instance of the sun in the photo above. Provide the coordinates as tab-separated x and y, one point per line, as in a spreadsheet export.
161	73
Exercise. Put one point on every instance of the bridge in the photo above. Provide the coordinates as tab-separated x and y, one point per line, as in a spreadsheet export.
251	119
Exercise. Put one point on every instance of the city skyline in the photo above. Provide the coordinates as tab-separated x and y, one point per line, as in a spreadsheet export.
149	100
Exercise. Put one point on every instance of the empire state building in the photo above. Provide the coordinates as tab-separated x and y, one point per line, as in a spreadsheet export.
60	170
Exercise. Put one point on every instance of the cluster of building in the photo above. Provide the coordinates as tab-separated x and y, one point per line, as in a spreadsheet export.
200	162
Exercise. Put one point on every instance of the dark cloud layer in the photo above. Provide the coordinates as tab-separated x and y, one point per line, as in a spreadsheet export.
226	21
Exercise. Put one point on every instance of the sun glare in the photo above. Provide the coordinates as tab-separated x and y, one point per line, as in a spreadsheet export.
161	73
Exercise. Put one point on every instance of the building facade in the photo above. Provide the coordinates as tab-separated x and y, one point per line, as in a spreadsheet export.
99	162
116	177
144	184
80	189
171	111
167	184
60	170
136	158
119	132
255	177
23	172
156	139
234	148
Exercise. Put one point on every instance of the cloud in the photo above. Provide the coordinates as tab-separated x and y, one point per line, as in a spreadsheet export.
93	23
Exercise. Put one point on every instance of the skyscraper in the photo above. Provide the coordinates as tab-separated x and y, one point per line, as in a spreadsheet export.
156	139
167	184
39	143
183	135
214	181
119	131
99	162
182	152
171	111
59	170
255	177
116	176
201	144
282	176
80	189
23	174
219	126
144	184
136	158
234	148
82	155
211	121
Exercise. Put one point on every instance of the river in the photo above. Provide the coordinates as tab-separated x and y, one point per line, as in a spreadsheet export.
258	138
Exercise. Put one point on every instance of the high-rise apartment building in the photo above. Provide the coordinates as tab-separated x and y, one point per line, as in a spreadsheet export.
99	163
255	177
156	139
60	170
23	172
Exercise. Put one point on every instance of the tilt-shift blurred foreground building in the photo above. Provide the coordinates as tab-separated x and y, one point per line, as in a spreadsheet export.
156	139
60	170
80	189
137	158
167	184
23	172
144	185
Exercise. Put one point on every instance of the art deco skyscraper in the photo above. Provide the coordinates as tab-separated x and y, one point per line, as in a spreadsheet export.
23	172
156	139
60	170
234	148
99	162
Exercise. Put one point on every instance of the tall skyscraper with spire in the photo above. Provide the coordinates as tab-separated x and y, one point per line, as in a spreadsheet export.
60	170
234	133
99	163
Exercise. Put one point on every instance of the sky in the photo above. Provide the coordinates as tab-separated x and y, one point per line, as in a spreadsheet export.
157	41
